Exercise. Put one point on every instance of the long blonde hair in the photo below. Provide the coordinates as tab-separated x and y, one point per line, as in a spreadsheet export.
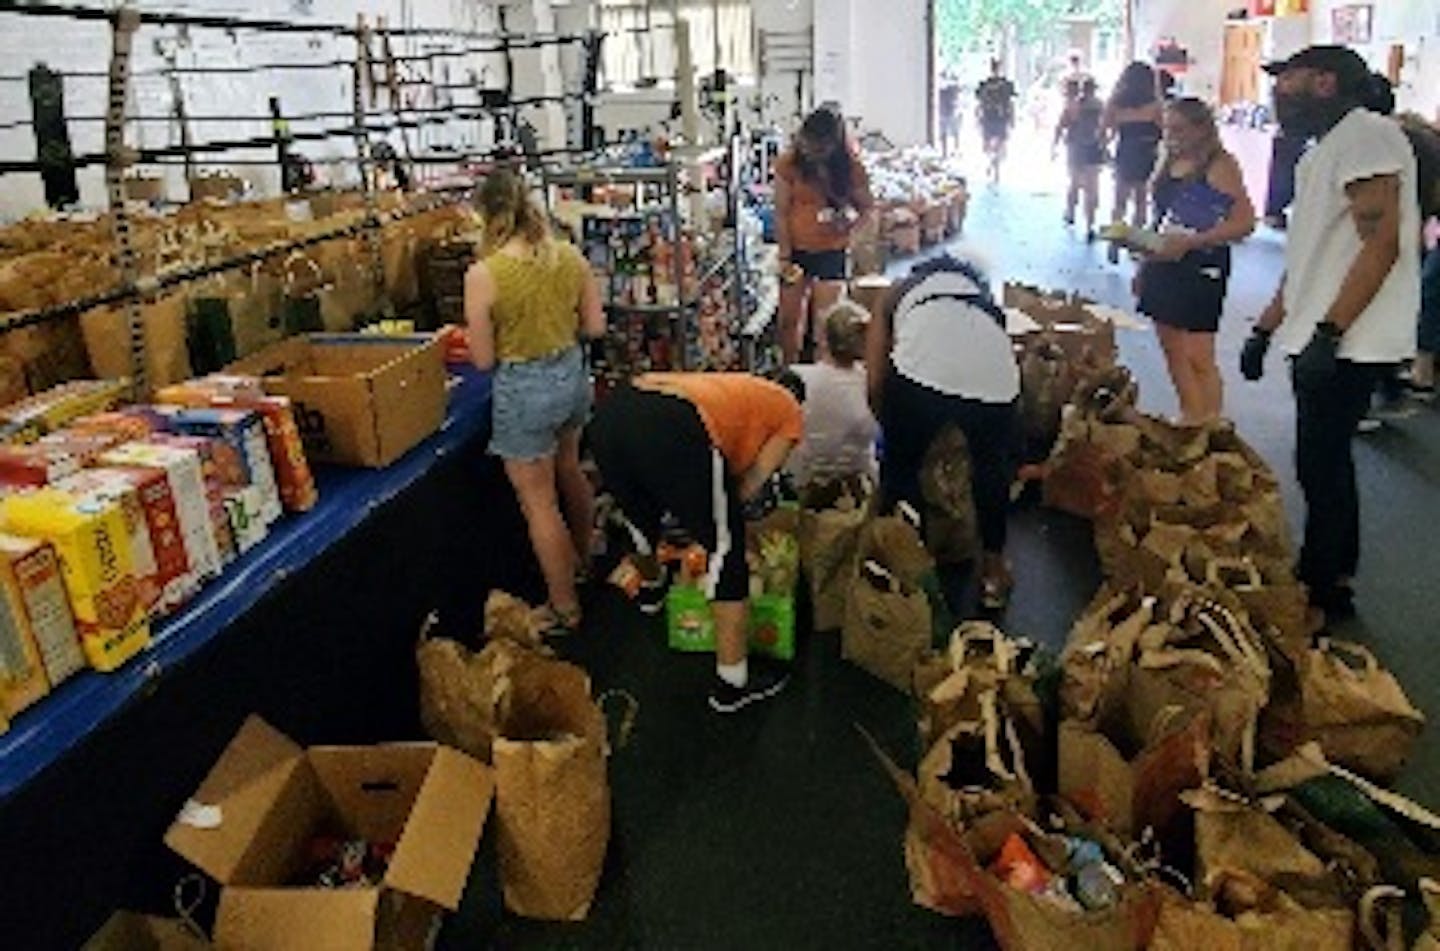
1196	113
510	212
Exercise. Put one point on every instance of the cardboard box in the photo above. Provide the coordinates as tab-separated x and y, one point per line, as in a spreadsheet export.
128	931
117	486
249	824
37	604
360	400
287	452
186	484
243	432
92	541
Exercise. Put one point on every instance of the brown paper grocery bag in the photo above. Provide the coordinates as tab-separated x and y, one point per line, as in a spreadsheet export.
887	613
107	339
831	517
552	794
1357	710
952	533
1196	926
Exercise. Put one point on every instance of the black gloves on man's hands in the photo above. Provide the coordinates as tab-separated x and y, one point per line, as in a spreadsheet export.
1315	365
1252	354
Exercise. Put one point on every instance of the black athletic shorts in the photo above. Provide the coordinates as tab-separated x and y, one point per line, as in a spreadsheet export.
822	265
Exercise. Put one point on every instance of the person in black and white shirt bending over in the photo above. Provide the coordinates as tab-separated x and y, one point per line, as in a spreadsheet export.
939	354
1345	309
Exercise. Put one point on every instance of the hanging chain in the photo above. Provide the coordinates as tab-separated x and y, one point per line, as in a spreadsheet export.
118	158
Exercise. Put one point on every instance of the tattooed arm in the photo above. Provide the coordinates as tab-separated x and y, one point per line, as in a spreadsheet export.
1375	211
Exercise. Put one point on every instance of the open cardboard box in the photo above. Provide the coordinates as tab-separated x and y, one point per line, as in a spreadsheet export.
249	825
360	399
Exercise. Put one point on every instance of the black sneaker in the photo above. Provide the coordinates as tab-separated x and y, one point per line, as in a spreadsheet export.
765	681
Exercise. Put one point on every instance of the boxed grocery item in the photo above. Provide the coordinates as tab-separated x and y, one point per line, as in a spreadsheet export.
92	541
222	471
35	465
36	605
175	581
185	480
118	486
292	470
335	847
359	399
31	418
244	433
245	510
22	672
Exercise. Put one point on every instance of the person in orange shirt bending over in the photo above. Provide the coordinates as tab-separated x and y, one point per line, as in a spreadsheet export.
822	195
698	446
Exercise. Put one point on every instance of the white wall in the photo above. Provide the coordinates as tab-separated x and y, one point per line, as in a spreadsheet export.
1198	25
871	56
68	45
789	17
1413	23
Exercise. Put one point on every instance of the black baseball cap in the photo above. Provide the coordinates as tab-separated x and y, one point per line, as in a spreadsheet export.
1349	69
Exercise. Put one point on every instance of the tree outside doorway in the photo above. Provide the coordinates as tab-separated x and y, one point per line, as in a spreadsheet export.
1035	41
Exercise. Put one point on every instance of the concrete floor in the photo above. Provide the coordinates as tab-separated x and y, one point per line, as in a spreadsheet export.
776	828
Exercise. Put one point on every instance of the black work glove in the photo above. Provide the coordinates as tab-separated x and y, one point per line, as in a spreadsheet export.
1252	354
764	502
1315	365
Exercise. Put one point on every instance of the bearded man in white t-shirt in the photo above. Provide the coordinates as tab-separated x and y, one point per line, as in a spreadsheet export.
1345	309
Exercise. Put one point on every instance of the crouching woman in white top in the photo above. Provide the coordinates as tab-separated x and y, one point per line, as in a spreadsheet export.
939	354
840	429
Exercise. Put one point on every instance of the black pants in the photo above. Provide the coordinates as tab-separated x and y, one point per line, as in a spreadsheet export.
912	416
1325	420
655	457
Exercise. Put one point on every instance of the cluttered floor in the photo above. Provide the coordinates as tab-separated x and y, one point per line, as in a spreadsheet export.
777	828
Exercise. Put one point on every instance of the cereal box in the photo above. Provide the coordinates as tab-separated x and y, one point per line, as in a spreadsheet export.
187	492
114	485
247	523
287	453
35	593
22	673
222	471
91	540
32	466
244	433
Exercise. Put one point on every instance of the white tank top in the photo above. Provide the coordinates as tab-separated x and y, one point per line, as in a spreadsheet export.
953	345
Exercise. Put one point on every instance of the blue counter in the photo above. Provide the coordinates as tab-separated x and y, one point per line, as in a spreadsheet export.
46	732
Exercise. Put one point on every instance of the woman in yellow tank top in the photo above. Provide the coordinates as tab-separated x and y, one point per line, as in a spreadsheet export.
528	303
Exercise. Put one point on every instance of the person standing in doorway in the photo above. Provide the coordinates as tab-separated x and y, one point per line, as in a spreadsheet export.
1080	128
1132	119
996	112
528	303
1345	309
1203	208
822	195
948	107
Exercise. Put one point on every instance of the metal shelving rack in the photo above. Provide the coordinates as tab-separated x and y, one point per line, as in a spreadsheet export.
118	157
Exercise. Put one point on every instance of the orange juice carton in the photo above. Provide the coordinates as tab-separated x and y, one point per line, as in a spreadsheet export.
185	487
243	432
91	540
293	476
115	485
36	606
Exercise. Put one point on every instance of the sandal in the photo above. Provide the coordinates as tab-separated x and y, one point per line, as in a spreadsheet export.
557	622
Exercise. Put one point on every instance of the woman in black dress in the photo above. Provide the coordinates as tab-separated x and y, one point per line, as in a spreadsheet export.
1132	121
1201	208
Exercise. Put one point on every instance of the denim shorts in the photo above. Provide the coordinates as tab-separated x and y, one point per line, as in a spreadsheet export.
534	400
